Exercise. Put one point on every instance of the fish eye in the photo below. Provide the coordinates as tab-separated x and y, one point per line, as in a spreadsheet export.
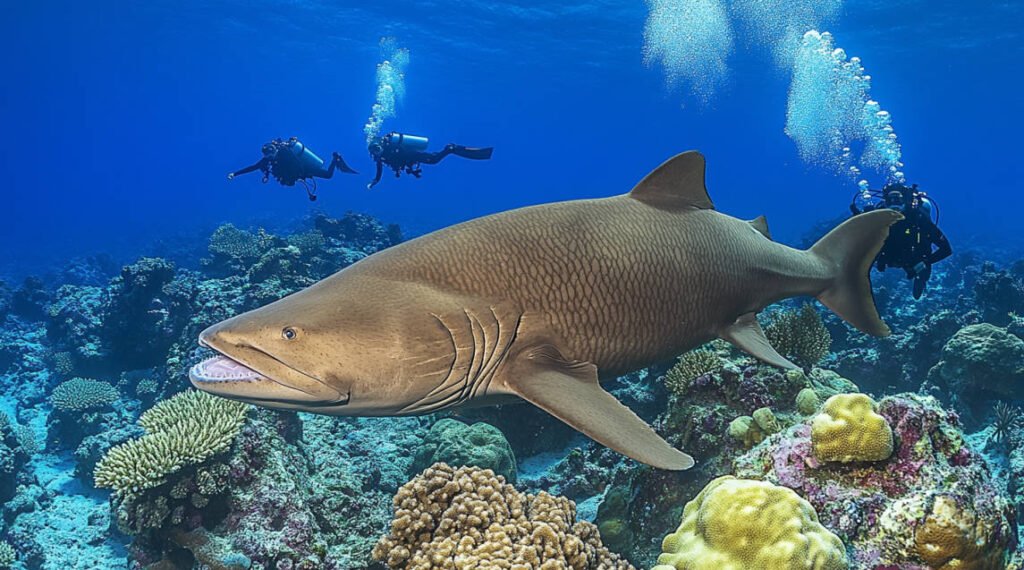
289	333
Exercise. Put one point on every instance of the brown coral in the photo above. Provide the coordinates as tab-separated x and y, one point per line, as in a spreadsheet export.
469	518
952	538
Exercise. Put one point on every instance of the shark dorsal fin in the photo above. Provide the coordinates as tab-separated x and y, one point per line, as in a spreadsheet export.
678	183
760	224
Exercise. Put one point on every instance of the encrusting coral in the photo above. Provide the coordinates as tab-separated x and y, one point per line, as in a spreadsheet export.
184	430
469	518
79	394
847	429
738	524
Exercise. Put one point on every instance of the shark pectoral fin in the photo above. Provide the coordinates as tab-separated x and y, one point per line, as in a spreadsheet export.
747	335
570	391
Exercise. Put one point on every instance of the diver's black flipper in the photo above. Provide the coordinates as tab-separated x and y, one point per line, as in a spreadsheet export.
473	153
340	164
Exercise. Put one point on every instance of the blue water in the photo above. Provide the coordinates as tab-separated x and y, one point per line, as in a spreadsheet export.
121	121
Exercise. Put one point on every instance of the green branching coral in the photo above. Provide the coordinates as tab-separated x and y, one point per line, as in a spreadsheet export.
800	335
7	555
184	430
80	394
691	365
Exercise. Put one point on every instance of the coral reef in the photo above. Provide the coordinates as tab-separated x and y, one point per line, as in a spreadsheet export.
735	524
848	430
7	555
80	394
470	518
457	444
690	366
932	504
799	335
184	430
982	359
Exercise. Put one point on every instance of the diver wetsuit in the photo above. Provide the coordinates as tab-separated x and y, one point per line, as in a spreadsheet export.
290	162
915	243
404	153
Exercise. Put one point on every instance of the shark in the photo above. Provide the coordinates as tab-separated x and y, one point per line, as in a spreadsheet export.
541	304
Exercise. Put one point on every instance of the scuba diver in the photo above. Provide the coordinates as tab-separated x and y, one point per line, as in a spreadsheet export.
290	162
405	153
911	240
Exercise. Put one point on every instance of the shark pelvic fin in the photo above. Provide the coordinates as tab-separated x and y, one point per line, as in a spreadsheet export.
678	183
570	391
747	335
760	224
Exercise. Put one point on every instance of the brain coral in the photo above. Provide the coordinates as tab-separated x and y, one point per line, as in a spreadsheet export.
847	429
457	444
80	394
738	524
468	518
184	430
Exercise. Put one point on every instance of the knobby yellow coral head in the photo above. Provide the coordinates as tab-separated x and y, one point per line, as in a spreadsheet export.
740	524
848	429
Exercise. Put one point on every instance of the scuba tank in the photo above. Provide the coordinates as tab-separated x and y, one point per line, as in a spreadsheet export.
308	159
408	143
929	206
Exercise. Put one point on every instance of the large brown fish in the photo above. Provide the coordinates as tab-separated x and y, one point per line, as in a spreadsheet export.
539	304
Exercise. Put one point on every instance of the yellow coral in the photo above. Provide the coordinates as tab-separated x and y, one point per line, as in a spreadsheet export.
469	518
953	538
848	429
184	430
740	524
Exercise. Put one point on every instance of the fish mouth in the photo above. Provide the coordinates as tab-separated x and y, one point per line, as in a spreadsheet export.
252	375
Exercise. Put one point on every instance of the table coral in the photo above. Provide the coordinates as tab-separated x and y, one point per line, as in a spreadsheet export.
469	518
848	430
79	394
933	495
736	524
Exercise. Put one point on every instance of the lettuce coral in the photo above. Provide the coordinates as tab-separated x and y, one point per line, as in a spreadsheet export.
736	524
467	518
184	430
847	430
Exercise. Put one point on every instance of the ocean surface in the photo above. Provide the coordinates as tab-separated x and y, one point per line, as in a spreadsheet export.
125	238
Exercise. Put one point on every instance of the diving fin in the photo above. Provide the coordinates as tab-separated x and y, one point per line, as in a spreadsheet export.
570	391
473	153
747	335
342	166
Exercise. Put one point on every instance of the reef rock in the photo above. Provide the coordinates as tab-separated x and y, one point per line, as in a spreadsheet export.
931	505
981	360
457	444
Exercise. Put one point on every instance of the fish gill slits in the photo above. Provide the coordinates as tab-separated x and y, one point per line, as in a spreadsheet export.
481	343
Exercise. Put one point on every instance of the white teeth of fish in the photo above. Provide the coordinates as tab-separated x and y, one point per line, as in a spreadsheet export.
223	369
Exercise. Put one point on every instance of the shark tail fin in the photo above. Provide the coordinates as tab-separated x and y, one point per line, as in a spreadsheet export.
850	249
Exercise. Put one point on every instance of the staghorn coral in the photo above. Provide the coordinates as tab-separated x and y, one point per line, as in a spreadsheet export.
690	366
185	430
800	335
80	394
469	518
847	429
736	524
